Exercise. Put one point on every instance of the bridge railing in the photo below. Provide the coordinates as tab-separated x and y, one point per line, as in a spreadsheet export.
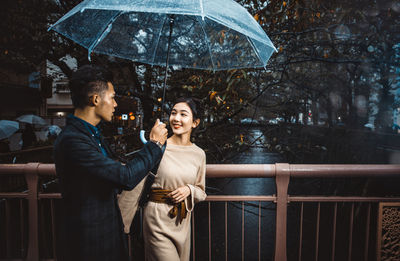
282	173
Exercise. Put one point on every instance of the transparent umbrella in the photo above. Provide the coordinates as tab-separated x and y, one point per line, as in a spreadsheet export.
199	34
8	128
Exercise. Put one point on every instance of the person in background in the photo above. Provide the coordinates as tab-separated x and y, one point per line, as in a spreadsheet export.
90	176
28	136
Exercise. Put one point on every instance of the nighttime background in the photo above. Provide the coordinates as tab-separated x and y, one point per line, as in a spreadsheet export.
330	95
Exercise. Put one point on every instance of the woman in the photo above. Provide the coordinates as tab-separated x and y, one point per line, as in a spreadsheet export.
178	185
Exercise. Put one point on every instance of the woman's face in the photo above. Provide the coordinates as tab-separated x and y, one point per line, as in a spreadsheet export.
181	119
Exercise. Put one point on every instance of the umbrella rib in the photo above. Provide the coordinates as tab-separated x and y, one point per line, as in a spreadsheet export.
158	39
201	9
207	41
105	32
256	51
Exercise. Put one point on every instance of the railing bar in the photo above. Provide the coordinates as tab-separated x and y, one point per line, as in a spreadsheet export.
367	228
32	177
7	228
334	232
21	225
239	198
41	227
242	230
209	231
226	231
342	199
53	227
317	231
257	170
13	195
301	229
259	230
351	231
49	195
129	246
193	238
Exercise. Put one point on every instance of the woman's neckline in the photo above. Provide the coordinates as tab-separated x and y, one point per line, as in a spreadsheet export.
179	145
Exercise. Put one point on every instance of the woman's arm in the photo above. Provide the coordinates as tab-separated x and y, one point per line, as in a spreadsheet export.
197	190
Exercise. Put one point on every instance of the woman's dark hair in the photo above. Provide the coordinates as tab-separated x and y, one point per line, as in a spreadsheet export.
194	105
86	81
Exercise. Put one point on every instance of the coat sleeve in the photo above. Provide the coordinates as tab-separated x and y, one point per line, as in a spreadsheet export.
197	190
81	154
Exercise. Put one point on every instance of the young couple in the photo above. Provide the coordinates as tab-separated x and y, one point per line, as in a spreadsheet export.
91	177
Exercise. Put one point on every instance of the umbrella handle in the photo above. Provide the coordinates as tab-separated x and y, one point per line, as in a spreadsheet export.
142	138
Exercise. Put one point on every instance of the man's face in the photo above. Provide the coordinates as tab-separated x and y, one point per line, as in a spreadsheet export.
107	104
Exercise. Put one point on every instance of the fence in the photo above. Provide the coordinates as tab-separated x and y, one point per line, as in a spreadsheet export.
35	226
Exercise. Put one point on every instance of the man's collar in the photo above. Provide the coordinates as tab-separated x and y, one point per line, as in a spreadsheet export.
93	129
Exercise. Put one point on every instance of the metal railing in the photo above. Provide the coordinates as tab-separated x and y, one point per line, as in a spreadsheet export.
281	172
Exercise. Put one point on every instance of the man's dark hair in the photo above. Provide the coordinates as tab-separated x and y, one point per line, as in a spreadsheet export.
86	81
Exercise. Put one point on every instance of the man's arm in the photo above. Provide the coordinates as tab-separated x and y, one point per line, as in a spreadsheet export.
81	154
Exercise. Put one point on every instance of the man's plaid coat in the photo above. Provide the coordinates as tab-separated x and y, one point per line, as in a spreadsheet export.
89	183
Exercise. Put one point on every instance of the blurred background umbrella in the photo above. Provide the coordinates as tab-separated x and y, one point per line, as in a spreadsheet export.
8	128
53	130
32	119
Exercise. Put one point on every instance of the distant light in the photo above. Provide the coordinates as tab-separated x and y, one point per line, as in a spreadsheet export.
339	118
124	117
60	114
131	113
132	118
159	99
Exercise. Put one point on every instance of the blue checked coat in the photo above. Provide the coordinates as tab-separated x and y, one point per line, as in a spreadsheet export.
89	183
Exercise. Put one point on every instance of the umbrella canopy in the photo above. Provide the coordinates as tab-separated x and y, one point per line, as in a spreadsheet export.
32	119
200	34
8	128
53	130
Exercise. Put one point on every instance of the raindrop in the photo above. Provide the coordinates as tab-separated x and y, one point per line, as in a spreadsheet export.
335	100
371	49
361	105
342	32
396	6
372	12
394	158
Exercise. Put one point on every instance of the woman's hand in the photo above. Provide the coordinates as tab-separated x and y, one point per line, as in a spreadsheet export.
179	194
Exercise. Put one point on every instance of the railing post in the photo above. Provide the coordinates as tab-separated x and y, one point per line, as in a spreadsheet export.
32	177
282	184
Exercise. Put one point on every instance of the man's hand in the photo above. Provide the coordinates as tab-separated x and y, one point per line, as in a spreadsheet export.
159	132
179	194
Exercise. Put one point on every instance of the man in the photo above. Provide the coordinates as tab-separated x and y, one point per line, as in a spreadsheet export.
89	176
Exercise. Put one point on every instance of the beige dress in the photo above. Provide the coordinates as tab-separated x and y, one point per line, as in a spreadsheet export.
164	238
